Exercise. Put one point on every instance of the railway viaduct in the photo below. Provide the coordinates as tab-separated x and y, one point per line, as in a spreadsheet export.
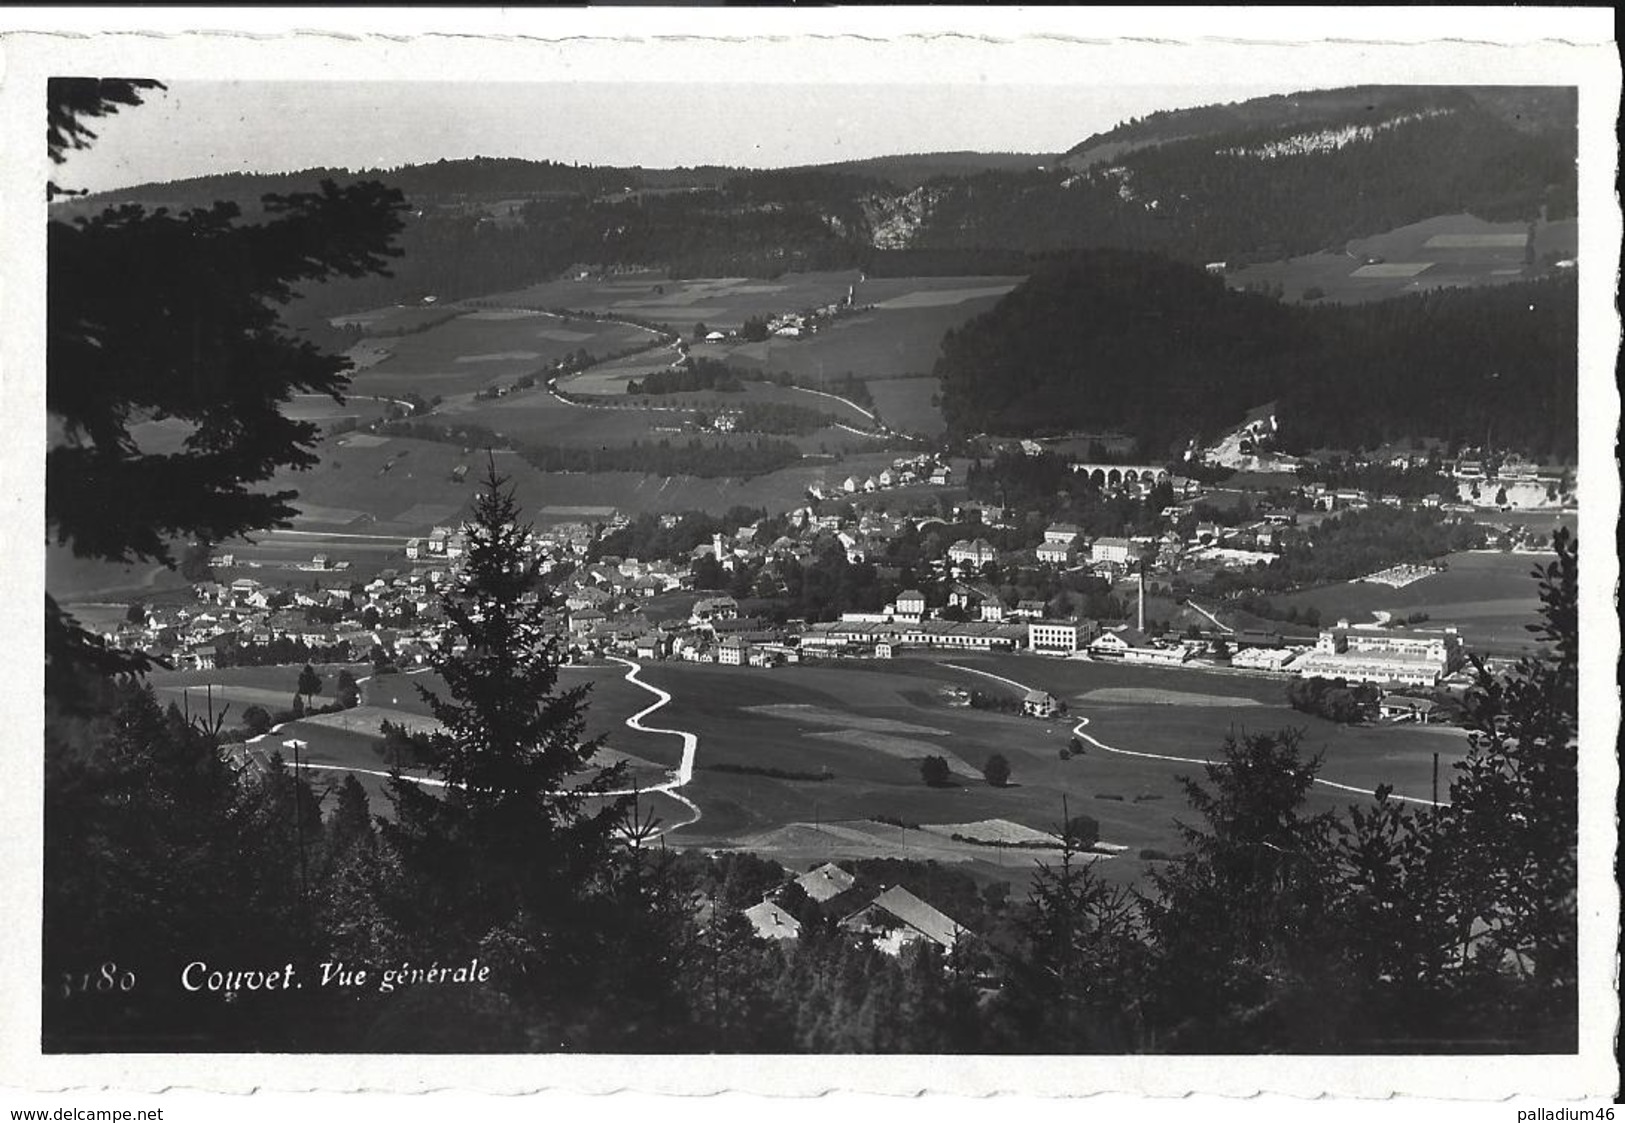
1110	475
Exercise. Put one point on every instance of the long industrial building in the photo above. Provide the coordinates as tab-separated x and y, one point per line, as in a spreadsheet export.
1407	656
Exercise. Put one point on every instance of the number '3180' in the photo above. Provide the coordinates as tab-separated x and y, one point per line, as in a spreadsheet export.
105	979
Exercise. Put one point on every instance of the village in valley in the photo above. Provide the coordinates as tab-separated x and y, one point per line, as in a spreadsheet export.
895	605
963	596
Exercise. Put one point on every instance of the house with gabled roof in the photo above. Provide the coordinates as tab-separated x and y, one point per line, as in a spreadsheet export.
827	881
771	922
897	918
977	552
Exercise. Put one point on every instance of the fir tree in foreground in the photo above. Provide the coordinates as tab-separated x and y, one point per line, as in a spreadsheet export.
516	858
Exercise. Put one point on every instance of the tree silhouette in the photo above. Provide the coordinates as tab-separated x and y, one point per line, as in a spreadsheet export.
256	720
158	315
515	851
1241	919
71	100
310	683
934	771
997	770
1511	829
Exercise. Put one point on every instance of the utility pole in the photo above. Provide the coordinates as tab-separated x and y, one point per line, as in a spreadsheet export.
1435	779
298	816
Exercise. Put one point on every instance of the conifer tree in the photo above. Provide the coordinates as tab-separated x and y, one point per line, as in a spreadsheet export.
175	315
1511	832
1243	917
515	853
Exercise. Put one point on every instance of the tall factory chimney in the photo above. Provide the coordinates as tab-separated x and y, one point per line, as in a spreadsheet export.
1140	623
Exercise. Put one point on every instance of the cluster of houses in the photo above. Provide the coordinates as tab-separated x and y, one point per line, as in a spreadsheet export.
903	472
713	632
343	620
891	920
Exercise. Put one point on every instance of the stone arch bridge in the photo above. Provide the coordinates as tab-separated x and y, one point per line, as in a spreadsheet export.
1112	475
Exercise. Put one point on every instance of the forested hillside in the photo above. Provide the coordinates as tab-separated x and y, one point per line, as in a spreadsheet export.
1109	338
1260	193
1257	181
1534	108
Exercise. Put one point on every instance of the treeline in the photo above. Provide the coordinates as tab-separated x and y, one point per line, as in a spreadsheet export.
697	374
1355	544
1333	700
1381	479
780	418
1161	351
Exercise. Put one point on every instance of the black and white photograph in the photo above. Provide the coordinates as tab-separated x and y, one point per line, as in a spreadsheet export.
991	551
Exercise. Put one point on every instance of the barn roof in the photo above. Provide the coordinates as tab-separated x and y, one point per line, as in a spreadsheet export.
828	880
918	915
771	922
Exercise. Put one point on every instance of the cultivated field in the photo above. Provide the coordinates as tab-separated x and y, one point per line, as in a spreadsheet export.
1448	250
485	347
722	303
536	417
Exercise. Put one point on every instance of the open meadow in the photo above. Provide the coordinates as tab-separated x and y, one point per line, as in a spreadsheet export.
535	416
722	303
909	405
271	687
1444	251
1488	595
484	347
609	379
824	759
899	336
91	587
396	319
349	741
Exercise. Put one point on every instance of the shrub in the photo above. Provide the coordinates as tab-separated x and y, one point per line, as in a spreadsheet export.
1082	831
256	720
1153	855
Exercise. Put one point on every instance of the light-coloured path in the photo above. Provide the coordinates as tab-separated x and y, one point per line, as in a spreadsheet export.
683	774
1078	731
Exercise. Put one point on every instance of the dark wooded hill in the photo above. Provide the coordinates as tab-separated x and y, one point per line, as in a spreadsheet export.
1163	351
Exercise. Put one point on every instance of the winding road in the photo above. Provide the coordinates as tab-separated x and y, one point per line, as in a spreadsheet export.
1078	731
679	778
